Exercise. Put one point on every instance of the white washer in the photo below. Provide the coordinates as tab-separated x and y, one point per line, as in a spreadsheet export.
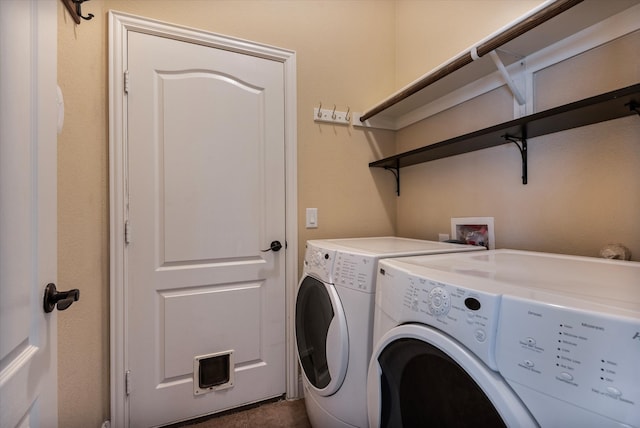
334	321
506	338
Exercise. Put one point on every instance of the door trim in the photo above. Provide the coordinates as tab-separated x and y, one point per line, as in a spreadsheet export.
120	24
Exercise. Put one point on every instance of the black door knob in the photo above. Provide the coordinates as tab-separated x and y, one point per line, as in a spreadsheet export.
274	246
59	299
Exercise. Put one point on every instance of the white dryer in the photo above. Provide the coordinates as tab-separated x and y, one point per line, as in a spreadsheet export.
506	338
334	321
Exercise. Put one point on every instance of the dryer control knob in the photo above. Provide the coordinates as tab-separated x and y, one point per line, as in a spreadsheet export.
439	301
317	258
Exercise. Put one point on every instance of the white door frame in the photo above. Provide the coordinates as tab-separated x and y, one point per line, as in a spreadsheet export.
120	24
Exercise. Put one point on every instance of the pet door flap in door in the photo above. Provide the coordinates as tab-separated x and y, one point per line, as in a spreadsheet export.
213	372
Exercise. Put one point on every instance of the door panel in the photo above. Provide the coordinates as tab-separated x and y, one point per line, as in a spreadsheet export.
28	253
206	195
196	226
191	308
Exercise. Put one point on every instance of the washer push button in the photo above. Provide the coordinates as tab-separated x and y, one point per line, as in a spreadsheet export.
439	301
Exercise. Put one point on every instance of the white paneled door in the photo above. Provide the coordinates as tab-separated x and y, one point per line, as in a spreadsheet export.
205	305
28	253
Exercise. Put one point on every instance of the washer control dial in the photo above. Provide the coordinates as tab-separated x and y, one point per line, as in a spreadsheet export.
439	301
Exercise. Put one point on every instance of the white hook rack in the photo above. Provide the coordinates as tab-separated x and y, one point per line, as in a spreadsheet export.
331	115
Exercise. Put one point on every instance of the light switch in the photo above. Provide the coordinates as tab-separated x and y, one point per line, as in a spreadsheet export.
312	218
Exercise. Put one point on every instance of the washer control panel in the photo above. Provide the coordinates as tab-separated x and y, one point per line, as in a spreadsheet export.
469	316
586	358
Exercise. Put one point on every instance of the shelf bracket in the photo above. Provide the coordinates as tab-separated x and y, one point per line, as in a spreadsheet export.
521	144
634	106
509	80
395	170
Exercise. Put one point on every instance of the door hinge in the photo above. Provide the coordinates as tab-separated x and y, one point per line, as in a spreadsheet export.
127	383
126	82
127	232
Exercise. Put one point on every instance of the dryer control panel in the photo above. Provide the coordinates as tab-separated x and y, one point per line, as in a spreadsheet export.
319	262
346	269
585	358
355	271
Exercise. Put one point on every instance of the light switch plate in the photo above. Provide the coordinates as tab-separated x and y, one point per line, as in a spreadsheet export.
312	218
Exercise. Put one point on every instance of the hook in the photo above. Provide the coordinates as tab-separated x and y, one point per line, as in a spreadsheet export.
79	10
346	116
333	113
320	110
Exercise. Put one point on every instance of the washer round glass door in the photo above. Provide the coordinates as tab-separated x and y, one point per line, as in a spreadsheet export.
321	335
421	377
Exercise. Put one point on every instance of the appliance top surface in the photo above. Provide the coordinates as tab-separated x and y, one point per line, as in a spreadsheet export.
522	273
390	246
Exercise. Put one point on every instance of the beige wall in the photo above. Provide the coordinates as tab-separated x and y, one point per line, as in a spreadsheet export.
351	53
429	33
83	221
584	184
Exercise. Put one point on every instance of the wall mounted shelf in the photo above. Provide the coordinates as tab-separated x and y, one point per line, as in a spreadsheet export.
611	105
543	27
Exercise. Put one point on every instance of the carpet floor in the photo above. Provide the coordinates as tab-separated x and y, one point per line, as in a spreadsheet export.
278	414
